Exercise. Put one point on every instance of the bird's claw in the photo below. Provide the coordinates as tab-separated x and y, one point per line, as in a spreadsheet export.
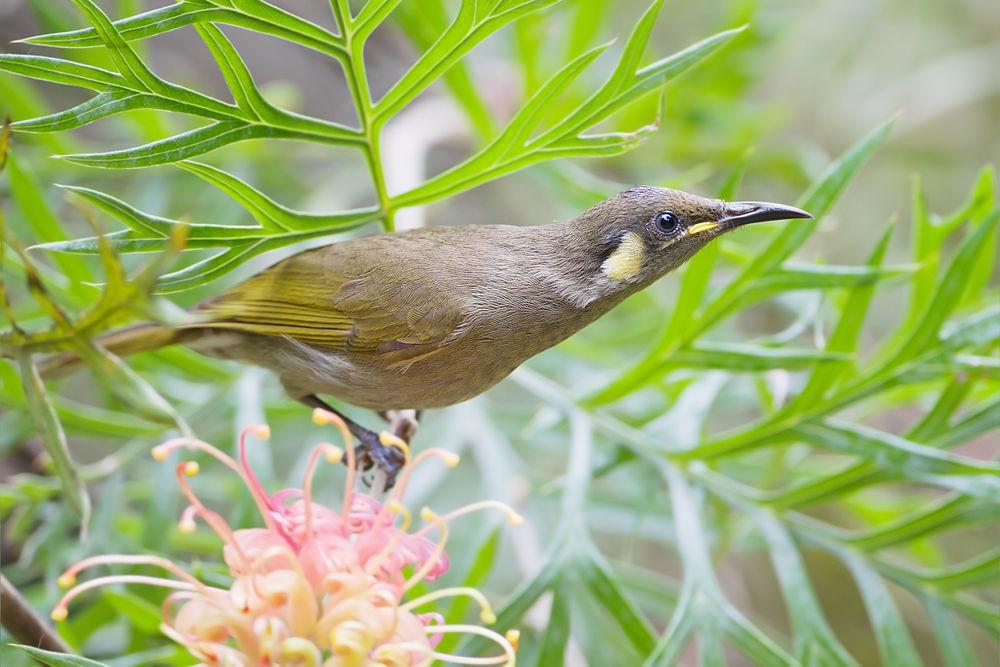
385	451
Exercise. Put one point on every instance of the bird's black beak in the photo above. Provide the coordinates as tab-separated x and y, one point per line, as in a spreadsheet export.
739	213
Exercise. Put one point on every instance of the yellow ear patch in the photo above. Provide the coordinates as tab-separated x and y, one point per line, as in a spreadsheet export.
702	227
626	261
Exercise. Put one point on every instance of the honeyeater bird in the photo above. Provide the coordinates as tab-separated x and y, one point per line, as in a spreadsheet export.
431	317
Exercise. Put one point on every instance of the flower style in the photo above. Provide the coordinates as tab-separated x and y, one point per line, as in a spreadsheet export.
314	586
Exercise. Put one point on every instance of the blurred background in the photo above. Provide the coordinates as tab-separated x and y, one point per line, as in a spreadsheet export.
806	81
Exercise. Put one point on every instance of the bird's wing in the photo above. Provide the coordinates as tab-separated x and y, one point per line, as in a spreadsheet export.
365	309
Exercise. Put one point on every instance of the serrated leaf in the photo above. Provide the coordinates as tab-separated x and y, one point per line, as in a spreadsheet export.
461	36
508	153
129	65
259	17
179	147
237	76
269	213
140	26
62	71
104	105
423	23
210	268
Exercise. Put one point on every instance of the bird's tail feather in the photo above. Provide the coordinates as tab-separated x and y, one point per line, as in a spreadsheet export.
137	338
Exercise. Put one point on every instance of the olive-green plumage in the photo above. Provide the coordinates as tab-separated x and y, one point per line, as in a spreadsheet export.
431	317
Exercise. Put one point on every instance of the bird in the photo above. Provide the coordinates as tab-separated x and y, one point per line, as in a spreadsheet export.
434	316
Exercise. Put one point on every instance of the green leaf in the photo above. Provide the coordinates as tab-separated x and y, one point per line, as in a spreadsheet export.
846	334
465	32
74	416
602	583
58	659
557	628
140	26
62	71
814	639
272	215
894	642
104	105
792	276
948	292
423	23
186	145
129	65
955	651
256	16
52	436
30	200
511	152
740	357
140	612
237	76
893	452
677	636
949	510
818	200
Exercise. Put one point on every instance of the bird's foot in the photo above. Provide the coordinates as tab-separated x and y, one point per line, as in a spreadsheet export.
384	451
404	423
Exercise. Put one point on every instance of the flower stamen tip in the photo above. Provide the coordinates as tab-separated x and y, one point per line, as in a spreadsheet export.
451	460
393	440
332	453
66	580
514	637
263	431
159	453
320	417
427	514
191	468
59	614
187	526
515	518
488	617
395	506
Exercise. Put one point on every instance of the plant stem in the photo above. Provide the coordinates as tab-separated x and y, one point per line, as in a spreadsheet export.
357	82
21	621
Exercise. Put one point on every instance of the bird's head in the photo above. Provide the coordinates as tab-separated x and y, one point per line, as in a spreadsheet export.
643	233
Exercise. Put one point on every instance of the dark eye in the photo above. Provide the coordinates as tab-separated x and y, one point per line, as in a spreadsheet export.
667	222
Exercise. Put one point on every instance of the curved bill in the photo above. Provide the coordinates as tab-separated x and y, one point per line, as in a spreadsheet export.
746	212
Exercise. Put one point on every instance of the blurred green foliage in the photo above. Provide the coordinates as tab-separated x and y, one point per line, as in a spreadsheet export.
706	470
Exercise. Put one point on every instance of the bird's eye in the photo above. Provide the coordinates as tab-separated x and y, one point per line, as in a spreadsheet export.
667	222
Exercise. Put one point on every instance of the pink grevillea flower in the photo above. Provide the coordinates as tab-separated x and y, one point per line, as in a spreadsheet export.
315	585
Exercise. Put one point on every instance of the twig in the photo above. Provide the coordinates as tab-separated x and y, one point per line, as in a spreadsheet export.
21	621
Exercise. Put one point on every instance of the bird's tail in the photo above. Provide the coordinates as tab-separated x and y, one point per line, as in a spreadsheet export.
137	338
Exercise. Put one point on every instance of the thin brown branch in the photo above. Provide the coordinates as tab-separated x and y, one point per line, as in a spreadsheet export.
21	621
